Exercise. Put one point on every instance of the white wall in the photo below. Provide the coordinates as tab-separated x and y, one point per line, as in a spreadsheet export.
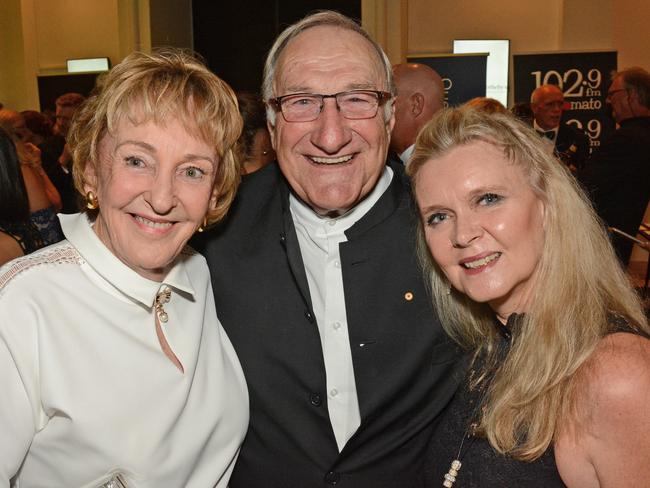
631	32
13	85
75	29
38	36
530	26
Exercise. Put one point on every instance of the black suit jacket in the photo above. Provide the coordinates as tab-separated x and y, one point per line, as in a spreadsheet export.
572	146
406	370
51	149
618	177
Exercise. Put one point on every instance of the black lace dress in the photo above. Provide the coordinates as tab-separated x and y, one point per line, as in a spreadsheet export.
25	234
482	466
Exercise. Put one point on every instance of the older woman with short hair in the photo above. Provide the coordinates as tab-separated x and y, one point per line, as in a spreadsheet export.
115	366
524	276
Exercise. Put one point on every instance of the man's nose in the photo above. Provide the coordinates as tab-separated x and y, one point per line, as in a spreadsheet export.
331	132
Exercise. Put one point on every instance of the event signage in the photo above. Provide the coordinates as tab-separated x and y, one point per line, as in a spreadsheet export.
584	79
463	75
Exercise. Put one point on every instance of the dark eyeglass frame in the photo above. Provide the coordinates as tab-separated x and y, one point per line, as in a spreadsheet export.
382	97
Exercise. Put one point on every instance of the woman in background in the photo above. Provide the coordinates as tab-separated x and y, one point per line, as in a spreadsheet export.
44	198
115	368
523	275
38	126
18	235
254	146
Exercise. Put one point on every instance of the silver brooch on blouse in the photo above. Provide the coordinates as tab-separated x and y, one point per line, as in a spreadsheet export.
116	481
163	297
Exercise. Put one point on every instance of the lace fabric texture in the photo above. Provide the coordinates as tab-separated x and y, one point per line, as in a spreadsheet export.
25	234
47	223
62	254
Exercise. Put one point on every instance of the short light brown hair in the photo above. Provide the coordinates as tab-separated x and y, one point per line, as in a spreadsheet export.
167	84
638	80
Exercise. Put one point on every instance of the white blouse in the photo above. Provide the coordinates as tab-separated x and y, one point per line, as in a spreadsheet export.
86	392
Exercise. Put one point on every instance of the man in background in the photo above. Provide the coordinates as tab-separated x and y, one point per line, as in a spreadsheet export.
420	94
570	143
57	160
618	174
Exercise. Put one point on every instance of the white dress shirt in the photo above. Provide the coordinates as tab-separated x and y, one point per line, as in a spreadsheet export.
86	390
319	238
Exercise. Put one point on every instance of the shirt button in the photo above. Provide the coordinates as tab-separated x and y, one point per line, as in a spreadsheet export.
332	478
332	223
315	399
337	264
334	392
336	325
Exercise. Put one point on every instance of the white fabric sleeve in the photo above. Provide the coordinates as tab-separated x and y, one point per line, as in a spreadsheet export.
16	417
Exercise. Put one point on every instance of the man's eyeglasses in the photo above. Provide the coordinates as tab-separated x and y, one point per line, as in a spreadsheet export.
306	107
611	93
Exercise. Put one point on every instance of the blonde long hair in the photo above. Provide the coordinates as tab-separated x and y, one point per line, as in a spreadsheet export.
580	285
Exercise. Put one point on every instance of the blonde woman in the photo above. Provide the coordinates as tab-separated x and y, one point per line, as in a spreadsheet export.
523	274
115	368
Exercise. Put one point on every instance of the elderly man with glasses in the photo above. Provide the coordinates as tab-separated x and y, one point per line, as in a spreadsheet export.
317	282
618	174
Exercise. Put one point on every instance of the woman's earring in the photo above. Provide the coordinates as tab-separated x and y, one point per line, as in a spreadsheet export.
91	200
448	291
203	225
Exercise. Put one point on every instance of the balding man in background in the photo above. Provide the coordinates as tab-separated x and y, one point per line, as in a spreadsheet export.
420	94
570	143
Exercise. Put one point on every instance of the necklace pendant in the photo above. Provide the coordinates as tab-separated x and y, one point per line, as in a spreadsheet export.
450	477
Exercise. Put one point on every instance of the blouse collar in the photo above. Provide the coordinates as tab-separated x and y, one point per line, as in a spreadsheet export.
78	231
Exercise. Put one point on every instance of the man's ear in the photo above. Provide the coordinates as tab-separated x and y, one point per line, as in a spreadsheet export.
417	104
271	128
390	123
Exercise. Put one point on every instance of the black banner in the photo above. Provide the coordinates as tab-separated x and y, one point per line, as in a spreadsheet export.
584	79
462	74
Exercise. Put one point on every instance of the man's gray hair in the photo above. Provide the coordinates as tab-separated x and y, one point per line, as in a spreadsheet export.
322	18
637	80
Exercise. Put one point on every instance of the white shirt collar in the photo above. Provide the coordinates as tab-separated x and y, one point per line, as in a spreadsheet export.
78	231
538	128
